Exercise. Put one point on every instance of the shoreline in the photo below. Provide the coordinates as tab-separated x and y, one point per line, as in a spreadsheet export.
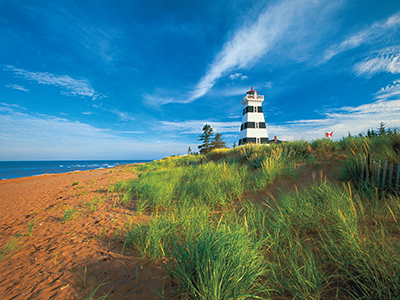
72	171
56	257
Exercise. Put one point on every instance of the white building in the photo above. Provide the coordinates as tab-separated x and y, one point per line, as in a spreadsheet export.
253	128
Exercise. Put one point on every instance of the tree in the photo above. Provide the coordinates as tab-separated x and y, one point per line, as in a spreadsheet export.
205	137
189	151
218	143
234	145
382	129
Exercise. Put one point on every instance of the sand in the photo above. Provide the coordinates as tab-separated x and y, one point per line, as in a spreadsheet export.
69	260
50	259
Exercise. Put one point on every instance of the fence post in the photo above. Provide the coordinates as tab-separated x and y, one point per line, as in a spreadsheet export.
384	174
390	176
397	178
372	178
378	172
368	168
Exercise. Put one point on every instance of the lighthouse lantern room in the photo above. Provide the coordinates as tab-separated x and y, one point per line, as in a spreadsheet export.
253	128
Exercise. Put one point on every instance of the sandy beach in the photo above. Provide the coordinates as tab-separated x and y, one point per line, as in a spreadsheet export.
56	258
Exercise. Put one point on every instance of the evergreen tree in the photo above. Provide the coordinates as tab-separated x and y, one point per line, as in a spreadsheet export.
218	143
382	129
234	145
189	151
205	137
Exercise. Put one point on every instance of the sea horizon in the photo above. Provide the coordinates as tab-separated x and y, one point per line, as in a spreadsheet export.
29	168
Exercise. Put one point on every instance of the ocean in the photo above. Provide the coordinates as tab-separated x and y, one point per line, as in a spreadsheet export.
17	169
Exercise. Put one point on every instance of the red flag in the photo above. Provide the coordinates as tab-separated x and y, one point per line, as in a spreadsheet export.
328	134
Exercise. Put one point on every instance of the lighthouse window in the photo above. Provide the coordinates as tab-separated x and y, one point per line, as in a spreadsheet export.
249	109
256	109
248	125
252	125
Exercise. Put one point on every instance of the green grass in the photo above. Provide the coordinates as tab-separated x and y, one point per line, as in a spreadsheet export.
93	204
328	241
94	291
31	225
69	214
215	184
7	250
218	264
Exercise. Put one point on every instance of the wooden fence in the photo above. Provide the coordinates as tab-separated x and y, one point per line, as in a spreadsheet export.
380	174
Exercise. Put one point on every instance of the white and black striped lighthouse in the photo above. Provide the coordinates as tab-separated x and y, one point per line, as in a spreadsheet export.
253	128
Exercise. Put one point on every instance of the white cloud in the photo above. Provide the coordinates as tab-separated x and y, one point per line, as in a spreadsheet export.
237	76
374	31
251	42
133	132
342	120
288	24
124	116
389	91
160	100
17	87
25	136
386	60
195	126
69	86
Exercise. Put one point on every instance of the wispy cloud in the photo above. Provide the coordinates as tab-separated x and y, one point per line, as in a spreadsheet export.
69	86
252	41
124	116
345	119
373	32
94	37
237	76
17	87
286	25
389	91
156	100
386	60
50	137
195	126
134	132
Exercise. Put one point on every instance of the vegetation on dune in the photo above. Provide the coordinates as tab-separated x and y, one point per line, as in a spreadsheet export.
209	140
327	241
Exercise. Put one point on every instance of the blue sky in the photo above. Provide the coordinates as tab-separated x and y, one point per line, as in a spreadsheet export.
139	79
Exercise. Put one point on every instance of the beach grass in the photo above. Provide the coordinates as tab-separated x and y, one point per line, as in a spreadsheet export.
70	213
7	250
326	241
93	204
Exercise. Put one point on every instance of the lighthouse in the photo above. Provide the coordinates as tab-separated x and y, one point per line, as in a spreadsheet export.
253	128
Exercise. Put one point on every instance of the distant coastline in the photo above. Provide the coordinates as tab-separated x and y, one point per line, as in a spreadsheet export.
18	169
